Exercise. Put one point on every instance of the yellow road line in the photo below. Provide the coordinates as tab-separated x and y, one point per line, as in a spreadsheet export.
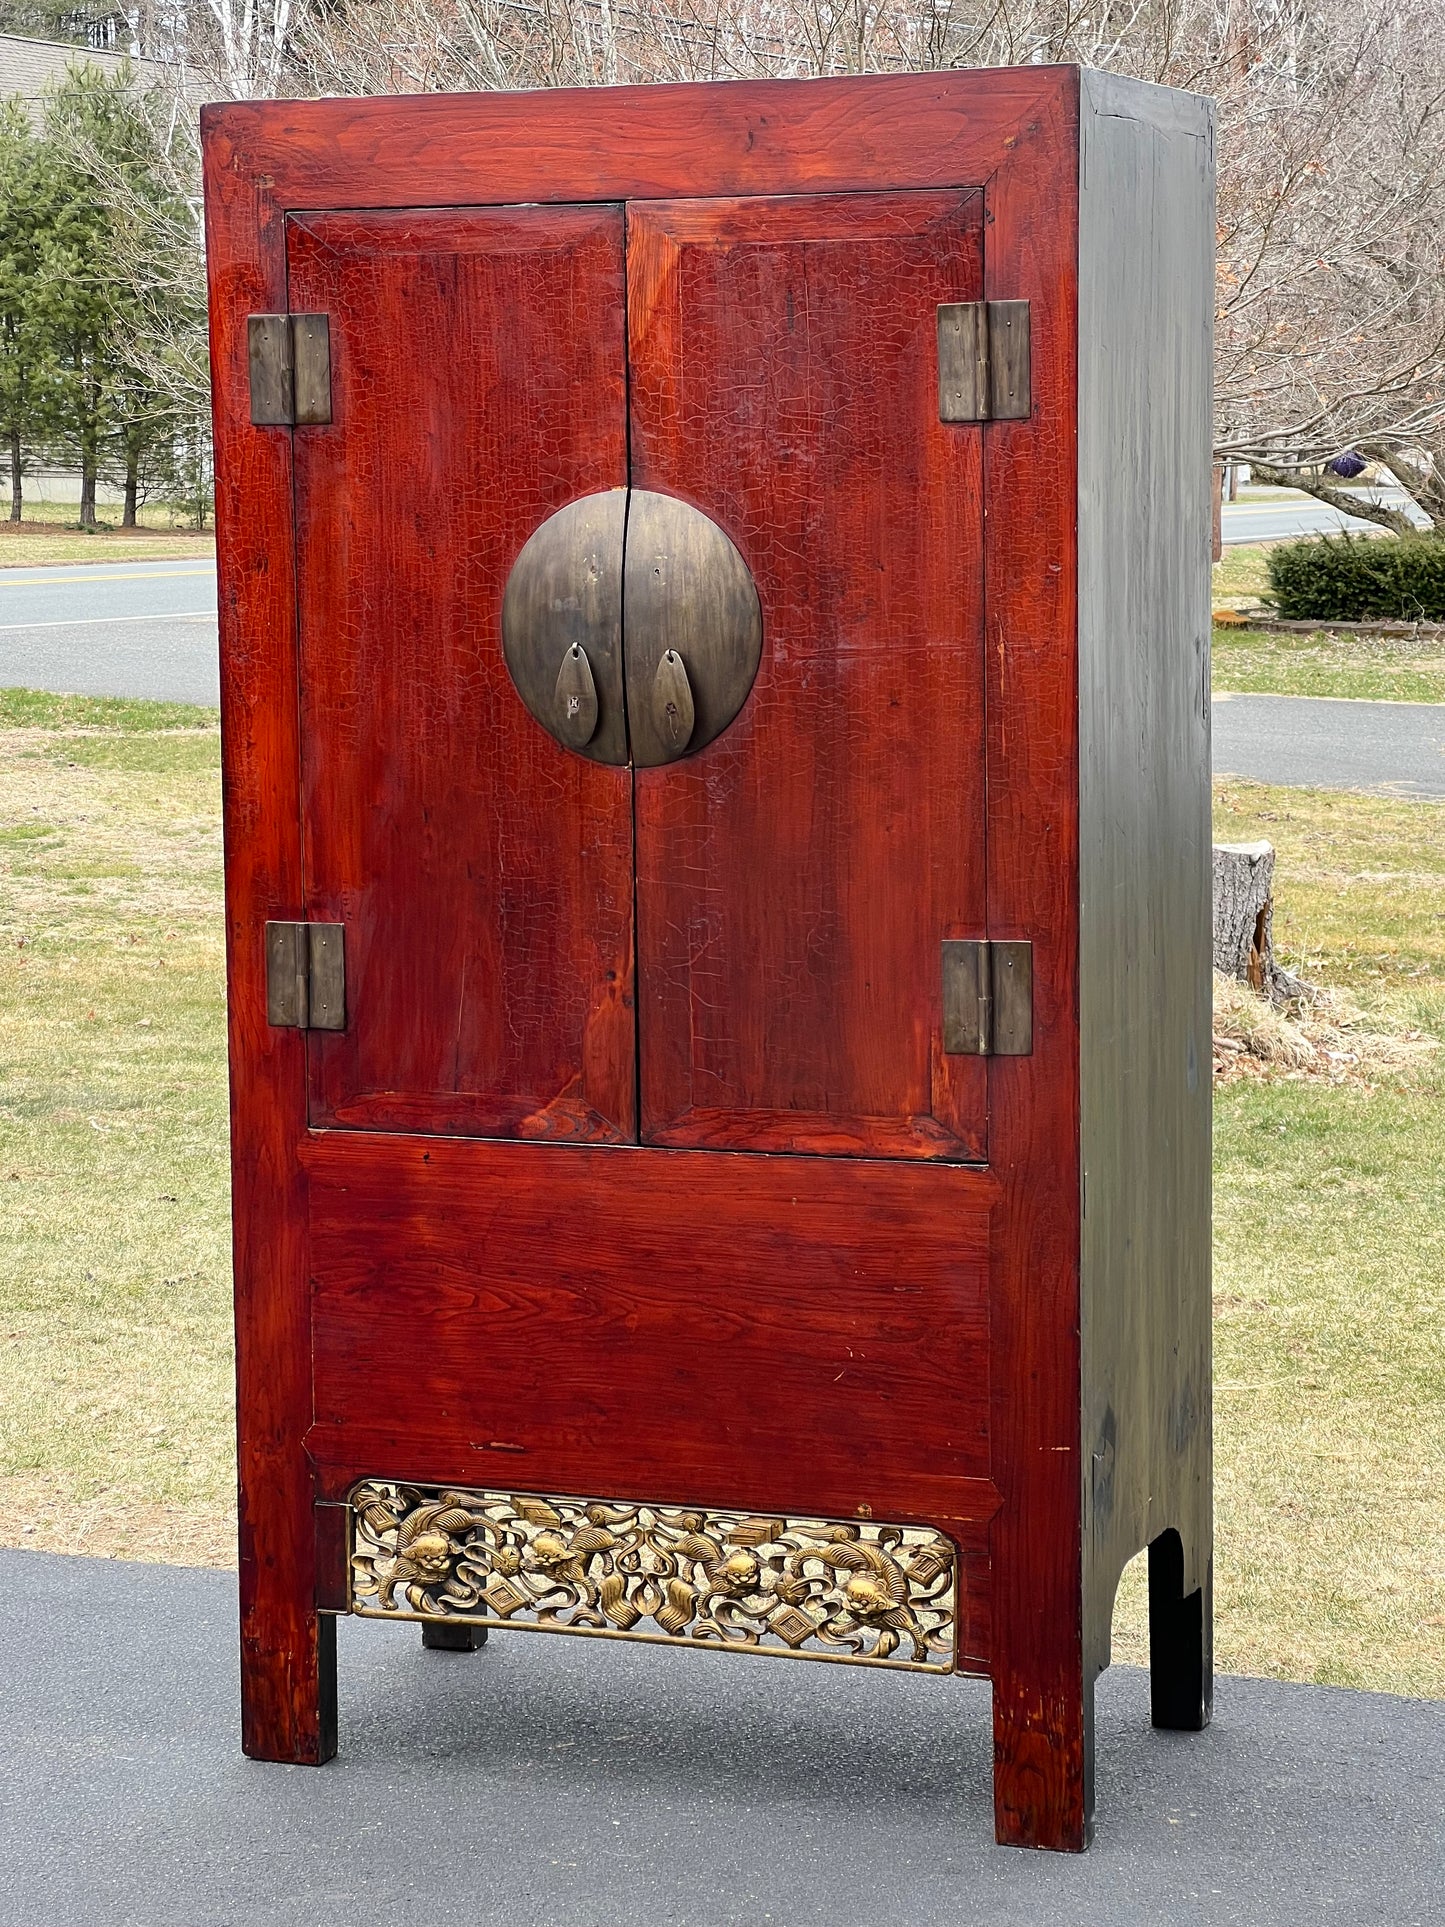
131	575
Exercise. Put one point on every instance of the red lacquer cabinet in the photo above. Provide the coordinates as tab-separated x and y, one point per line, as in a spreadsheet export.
714	618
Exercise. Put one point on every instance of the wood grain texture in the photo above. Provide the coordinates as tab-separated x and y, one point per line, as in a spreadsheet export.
795	879
1145	305
643	1323
888	1327
1043	1738
288	1688
484	872
637	143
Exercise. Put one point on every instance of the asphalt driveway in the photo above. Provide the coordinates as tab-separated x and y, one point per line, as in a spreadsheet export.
112	629
552	1782
1397	749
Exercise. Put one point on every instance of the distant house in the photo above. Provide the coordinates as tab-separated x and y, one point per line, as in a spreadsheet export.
28	67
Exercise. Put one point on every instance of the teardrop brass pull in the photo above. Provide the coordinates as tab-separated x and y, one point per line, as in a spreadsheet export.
687	593
564	599
576	699
673	714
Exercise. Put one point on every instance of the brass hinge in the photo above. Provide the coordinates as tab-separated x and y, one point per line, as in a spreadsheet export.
290	369
988	998
306	975
983	361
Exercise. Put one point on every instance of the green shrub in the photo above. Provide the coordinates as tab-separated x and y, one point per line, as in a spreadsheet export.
1360	578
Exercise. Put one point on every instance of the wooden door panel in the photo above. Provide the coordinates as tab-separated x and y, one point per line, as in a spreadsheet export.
643	1322
482	871
797	878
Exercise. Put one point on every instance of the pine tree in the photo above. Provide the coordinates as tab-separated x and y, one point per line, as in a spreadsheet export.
86	307
29	197
89	23
120	316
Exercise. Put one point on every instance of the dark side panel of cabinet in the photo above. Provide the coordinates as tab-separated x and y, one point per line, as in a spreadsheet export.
482	871
797	877
1146	277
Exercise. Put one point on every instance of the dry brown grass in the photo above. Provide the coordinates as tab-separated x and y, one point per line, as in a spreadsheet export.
36	543
1326	1038
43	1513
1241	576
115	1374
1355	667
1360	892
115	1357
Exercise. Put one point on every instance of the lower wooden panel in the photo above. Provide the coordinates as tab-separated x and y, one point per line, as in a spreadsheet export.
715	1329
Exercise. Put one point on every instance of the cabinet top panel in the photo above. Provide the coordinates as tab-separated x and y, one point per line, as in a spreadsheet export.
730	137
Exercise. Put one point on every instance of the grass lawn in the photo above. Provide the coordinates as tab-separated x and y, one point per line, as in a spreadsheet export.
115	1399
115	1417
1378	668
1241	574
1254	661
49	534
1329	1282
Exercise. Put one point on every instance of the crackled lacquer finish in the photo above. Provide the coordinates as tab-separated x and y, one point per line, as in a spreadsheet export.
482	870
858	1591
796	1339
892	1333
796	879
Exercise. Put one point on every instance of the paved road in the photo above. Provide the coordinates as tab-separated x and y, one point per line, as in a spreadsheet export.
1278	517
112	629
149	629
564	1783
1395	748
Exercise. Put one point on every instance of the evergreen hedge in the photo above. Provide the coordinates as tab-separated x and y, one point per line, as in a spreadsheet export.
1360	578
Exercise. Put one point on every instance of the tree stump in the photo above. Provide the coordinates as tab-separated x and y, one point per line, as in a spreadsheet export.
1244	920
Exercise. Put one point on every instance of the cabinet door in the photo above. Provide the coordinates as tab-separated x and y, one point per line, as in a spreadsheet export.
483	872
797	878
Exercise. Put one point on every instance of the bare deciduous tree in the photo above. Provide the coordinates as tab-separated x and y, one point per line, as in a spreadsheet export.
1331	322
1331	310
253	44
1331	287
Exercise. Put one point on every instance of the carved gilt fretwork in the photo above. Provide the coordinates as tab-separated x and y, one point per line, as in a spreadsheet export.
861	1591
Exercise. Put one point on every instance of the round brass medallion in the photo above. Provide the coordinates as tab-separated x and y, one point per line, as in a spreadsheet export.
631	623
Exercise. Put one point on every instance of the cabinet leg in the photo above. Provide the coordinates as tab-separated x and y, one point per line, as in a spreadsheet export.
452	1636
288	1688
1043	1767
1181	1641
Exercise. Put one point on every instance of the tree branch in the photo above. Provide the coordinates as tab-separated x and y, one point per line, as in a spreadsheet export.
1336	498
1421	476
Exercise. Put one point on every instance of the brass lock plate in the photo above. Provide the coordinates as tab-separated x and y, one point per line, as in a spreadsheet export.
631	627
689	603
562	625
